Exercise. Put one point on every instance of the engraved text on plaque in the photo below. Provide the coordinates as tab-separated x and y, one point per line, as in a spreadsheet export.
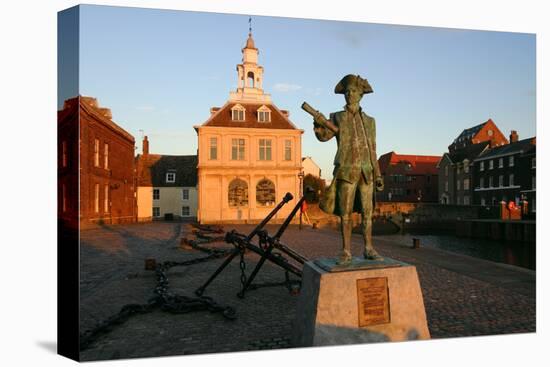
373	301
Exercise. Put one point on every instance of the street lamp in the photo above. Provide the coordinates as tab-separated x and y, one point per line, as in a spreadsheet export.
301	177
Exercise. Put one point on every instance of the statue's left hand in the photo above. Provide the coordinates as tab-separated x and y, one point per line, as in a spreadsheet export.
379	183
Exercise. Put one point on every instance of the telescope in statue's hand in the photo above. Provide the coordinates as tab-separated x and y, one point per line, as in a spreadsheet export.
319	118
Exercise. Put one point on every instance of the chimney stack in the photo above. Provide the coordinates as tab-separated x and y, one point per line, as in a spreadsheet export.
145	147
514	136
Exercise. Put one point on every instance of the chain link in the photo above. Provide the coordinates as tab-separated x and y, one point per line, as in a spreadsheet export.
165	300
242	266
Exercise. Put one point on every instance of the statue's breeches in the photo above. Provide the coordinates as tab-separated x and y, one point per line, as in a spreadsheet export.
359	193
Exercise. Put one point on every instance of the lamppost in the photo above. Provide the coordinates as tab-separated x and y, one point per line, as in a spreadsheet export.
301	177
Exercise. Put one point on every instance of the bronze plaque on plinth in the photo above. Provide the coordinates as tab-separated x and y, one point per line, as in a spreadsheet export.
373	301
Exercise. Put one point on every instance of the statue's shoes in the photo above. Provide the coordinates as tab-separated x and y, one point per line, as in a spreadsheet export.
344	259
371	254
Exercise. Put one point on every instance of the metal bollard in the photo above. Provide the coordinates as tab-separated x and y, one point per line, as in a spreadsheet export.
416	243
150	264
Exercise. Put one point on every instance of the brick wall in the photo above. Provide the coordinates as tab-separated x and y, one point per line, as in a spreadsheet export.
420	215
83	119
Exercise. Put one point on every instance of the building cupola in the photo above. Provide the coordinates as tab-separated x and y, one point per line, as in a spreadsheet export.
250	42
250	74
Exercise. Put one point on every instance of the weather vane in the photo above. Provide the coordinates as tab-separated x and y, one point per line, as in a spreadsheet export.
250	24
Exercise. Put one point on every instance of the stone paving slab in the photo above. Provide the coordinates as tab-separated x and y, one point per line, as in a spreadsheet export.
458	301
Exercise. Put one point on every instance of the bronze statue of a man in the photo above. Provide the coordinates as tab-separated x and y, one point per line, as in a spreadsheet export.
356	170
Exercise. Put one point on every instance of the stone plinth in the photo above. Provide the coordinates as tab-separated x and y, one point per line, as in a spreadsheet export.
365	302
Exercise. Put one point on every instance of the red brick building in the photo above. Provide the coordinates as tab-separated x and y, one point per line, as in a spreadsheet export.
408	178
485	132
455	167
103	166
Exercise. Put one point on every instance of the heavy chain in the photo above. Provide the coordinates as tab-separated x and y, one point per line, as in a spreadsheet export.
174	303
163	299
293	285
242	266
208	228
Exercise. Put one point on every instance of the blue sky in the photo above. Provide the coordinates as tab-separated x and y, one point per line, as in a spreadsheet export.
160	71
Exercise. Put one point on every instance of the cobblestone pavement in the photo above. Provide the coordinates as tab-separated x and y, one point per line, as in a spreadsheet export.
112	275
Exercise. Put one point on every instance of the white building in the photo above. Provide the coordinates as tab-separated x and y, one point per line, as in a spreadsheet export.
309	167
249	152
167	185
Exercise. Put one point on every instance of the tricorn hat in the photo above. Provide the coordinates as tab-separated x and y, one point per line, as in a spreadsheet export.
351	79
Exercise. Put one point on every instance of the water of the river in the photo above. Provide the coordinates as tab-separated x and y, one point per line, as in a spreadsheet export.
513	253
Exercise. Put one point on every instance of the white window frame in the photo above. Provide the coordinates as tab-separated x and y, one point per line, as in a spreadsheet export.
96	153
288	150
170	177
106	199
238	113
500	180
64	198
213	148
264	116
466	184
96	198
106	156
491	181
511	161
185	194
64	153
238	149
264	149
156	208
481	166
491	164
183	211
511	180
481	182
157	191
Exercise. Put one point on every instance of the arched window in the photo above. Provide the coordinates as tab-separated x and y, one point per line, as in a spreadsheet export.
265	193
250	77
238	193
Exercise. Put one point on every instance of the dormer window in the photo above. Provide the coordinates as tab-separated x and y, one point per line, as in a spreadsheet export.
264	114
171	177
237	113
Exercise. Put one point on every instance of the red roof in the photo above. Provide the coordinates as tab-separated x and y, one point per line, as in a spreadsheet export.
91	106
222	117
419	164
